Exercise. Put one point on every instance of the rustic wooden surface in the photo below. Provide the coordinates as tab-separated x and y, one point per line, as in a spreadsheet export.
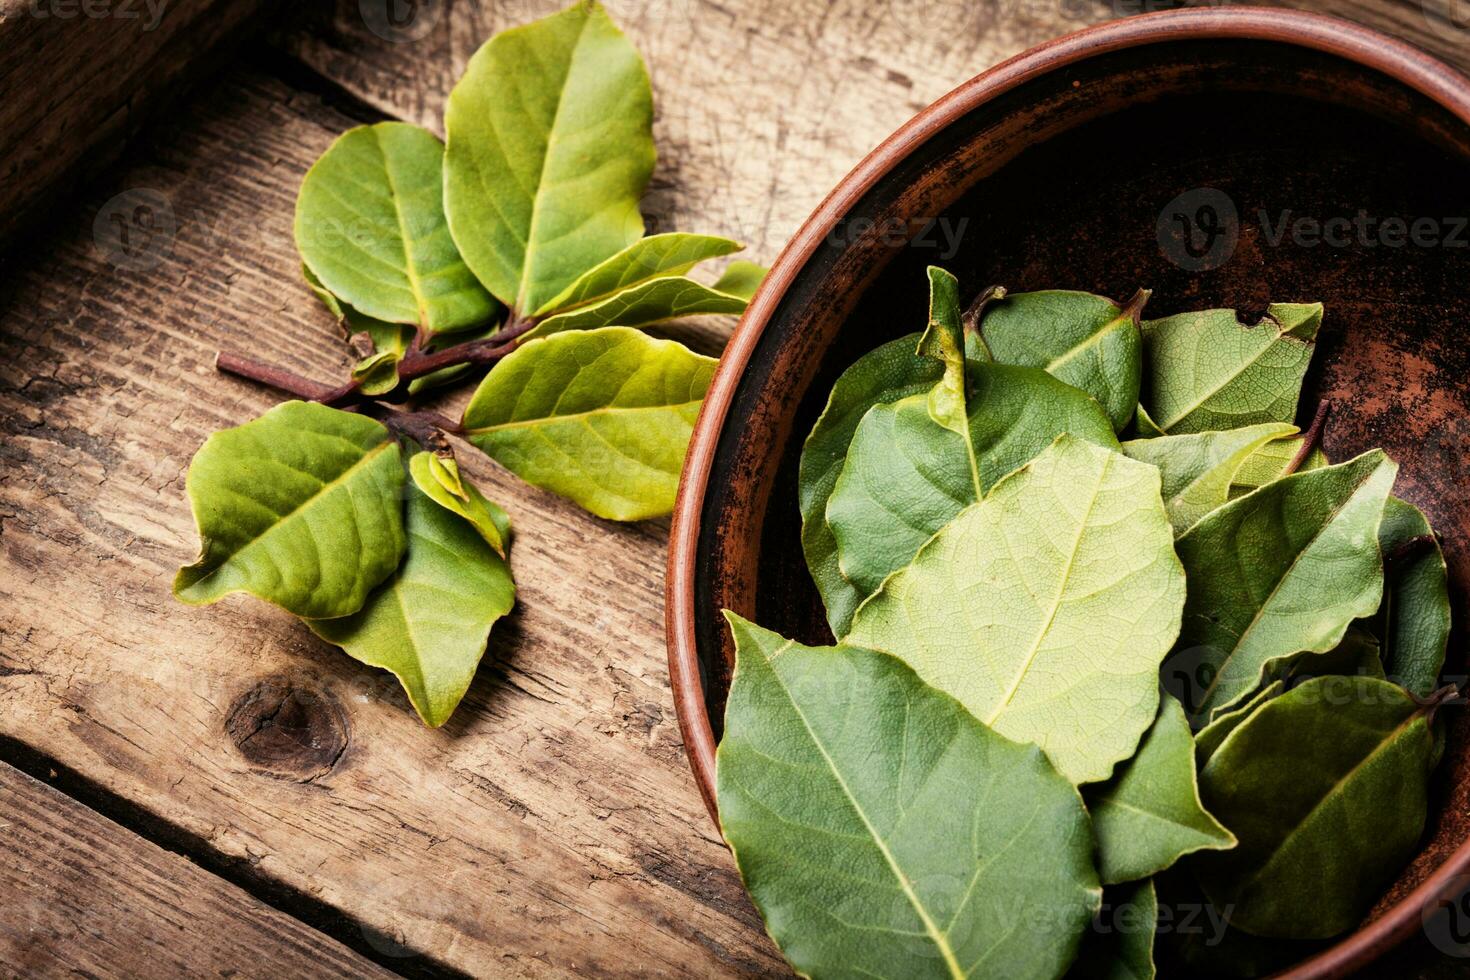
78	81
85	897
552	828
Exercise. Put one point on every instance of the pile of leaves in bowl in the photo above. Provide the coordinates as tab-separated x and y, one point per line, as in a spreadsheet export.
515	256
1083	682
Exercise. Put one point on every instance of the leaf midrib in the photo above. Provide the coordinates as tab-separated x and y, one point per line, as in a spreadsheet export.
580	416
1290	570
1057	602
1223	384
936	936
551	132
1332	791
1093	340
320	493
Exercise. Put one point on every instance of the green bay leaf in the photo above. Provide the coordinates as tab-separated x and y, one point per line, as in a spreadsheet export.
1210	737
1149	814
741	278
1206	370
550	148
651	301
300	507
602	417
370	226
1088	341
429	623
1278	572
886	374
1120	944
1326	788
1047	607
1198	469
654	257
1414	620
881	830
905	476
1269	462
438	478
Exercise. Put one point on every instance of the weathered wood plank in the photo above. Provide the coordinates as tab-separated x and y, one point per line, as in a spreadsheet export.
78	78
761	106
85	897
551	828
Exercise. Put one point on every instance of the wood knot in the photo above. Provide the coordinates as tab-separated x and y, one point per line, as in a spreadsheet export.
288	729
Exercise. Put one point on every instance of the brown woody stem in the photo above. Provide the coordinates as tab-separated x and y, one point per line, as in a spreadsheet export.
1310	439
269	374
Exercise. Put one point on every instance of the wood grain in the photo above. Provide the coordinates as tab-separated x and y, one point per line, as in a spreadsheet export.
552	828
85	897
79	78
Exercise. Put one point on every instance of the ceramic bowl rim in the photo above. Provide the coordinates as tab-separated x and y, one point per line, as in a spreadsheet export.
1364	46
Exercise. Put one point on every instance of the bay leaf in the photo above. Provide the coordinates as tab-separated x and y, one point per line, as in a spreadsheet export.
1047	607
943	340
1198	469
1149	814
370	226
905	477
438	478
602	417
886	374
1120	943
881	830
1326	788
651	301
1206	370
741	278
300	507
1269	462
653	257
1088	341
1414	620
429	623
384	335
1278	572
550	148
1209	738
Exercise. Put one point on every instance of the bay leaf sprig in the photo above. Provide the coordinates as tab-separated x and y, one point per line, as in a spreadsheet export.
516	250
1105	539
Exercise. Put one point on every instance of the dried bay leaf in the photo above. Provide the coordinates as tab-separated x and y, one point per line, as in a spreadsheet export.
1149	814
1326	789
905	476
1045	608
300	507
882	830
1088	341
1198	469
1120	943
886	374
1280	571
1414	620
1207	371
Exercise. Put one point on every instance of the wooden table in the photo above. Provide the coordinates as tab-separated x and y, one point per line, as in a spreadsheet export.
214	791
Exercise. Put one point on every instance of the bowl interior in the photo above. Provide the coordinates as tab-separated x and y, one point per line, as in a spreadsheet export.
1060	183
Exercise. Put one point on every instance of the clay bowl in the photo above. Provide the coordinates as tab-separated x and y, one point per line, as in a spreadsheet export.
1078	164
